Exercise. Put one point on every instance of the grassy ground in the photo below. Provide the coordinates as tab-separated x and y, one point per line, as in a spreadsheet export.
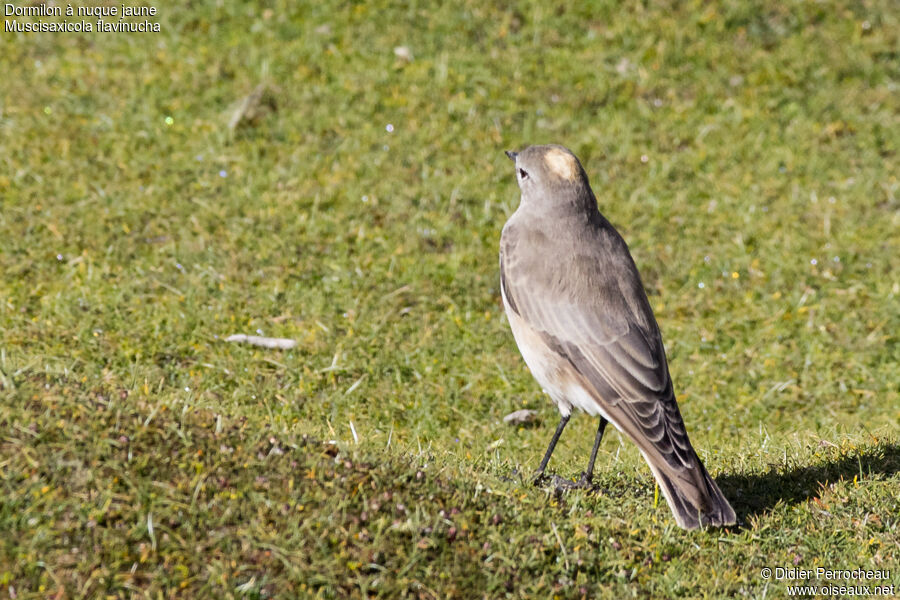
747	151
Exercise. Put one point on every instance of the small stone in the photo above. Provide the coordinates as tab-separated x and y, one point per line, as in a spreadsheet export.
403	53
521	417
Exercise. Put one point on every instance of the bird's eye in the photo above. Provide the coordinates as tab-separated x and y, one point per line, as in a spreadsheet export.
523	174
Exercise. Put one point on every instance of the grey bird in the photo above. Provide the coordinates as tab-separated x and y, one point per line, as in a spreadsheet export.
582	321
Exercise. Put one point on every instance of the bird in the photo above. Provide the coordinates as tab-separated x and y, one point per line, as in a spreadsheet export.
583	324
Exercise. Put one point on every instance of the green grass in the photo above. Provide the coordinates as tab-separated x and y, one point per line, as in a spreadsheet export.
747	147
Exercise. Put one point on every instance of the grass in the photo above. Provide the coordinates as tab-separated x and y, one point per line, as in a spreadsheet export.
746	151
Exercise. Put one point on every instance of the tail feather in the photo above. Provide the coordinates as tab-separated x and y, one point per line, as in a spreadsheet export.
693	496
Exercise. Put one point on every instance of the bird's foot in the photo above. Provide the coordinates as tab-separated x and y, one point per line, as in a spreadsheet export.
539	479
583	483
561	484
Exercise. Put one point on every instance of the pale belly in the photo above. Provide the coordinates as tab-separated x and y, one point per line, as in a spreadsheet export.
553	372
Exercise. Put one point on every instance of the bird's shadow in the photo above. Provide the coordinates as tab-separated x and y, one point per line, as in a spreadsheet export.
756	494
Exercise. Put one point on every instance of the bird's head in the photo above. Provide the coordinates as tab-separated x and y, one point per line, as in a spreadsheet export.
550	175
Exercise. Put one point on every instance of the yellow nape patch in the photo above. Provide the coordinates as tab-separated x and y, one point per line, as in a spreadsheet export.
561	163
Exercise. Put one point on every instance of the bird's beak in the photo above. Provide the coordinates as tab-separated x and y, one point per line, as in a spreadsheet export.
512	155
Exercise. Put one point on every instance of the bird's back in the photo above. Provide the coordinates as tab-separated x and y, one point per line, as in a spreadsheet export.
579	260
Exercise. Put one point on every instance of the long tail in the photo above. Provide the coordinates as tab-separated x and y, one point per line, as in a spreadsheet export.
695	499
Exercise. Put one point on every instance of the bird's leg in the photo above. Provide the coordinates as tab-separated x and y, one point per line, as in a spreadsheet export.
589	474
584	482
539	474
